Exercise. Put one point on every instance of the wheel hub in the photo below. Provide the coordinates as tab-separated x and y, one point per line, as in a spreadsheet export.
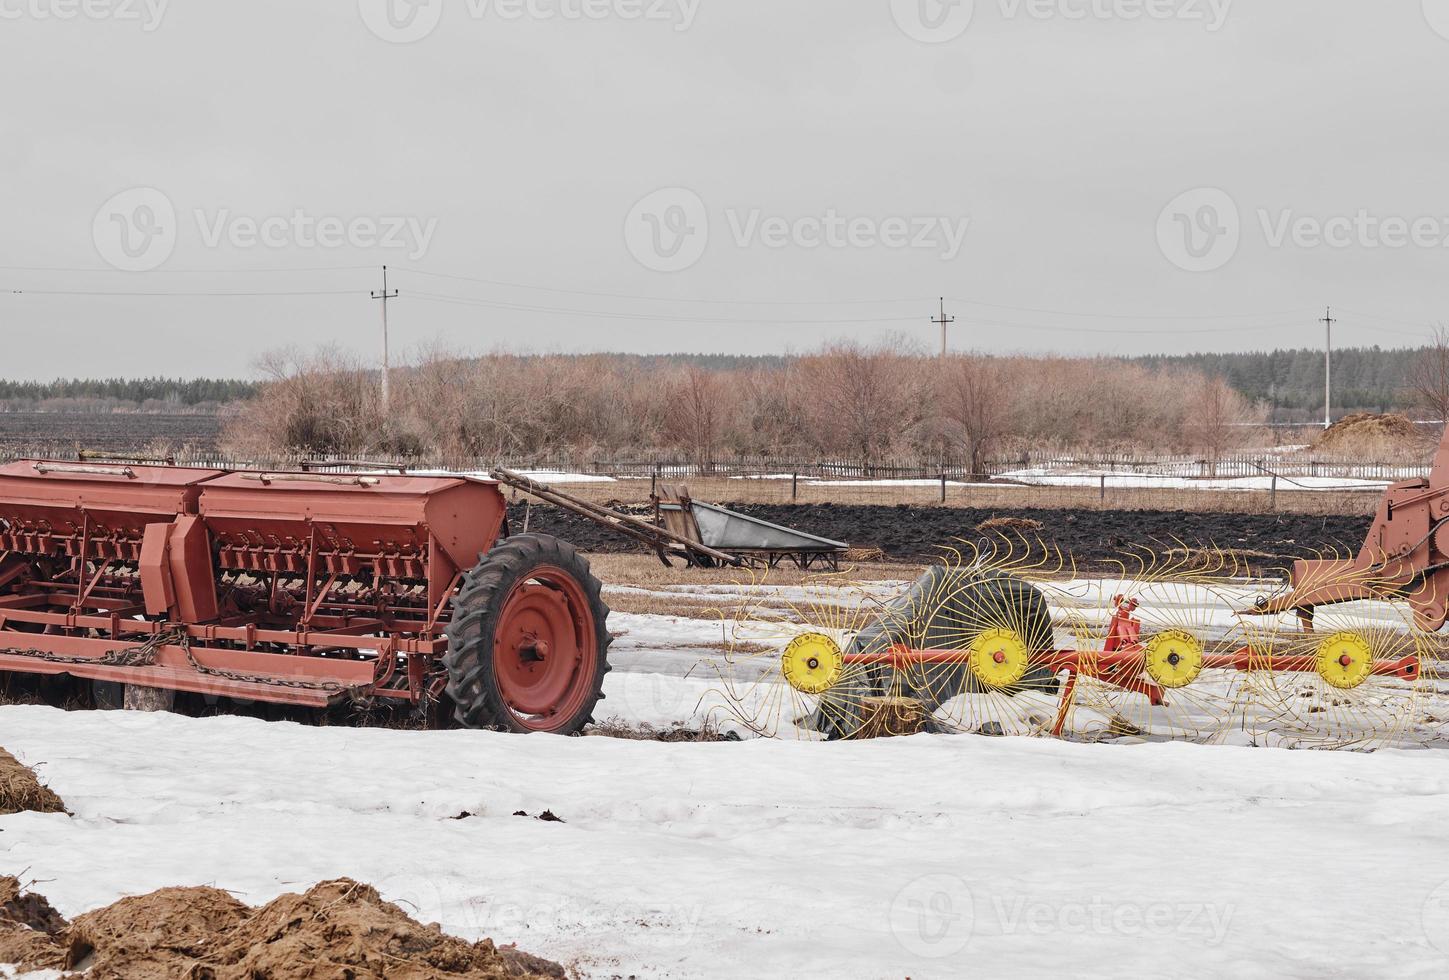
812	663
1174	659
1345	660
999	657
541	648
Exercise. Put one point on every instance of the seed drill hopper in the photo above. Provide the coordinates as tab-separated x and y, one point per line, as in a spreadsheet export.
294	588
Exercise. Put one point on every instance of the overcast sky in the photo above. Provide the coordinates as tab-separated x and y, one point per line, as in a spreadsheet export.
715	175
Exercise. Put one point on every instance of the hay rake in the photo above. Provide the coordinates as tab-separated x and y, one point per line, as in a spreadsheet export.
1005	638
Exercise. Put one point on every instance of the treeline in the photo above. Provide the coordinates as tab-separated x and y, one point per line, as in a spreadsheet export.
846	400
1290	382
110	393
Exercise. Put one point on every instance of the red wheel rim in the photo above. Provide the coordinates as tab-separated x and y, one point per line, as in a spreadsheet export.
545	650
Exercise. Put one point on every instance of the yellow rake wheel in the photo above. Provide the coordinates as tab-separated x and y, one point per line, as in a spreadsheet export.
1174	659
812	663
1345	660
999	658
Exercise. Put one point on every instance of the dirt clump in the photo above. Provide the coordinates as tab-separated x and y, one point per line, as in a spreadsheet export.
337	929
21	791
1370	435
28	926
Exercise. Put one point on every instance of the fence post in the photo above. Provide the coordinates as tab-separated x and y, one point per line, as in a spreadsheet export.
794	487
1104	488
943	486
1273	496
654	481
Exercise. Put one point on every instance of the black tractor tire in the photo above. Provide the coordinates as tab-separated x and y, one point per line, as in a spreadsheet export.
486	664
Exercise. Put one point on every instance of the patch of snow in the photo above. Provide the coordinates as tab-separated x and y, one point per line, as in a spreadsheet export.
899	857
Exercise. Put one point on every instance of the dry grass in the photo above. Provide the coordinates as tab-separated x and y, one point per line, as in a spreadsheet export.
648	733
1023	525
646	572
999	496
20	791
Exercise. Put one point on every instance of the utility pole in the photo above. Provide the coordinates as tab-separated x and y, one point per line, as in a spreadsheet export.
384	296
1328	321
944	321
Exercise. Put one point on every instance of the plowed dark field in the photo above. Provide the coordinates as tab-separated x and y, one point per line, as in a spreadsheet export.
915	534
121	432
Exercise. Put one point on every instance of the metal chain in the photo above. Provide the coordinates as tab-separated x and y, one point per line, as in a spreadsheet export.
137	656
332	687
145	656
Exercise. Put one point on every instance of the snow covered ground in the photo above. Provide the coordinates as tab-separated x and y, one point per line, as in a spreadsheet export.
932	856
1093	478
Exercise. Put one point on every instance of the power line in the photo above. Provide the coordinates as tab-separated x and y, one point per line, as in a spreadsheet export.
224	270
664	317
196	292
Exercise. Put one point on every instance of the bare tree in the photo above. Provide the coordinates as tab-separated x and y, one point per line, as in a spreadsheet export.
864	401
1429	377
696	413
976	402
1219	419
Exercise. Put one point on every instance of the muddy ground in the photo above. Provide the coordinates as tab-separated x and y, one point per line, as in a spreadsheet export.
906	533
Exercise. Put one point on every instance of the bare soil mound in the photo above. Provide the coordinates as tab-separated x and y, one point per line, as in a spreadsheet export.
1381	436
20	790
338	929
